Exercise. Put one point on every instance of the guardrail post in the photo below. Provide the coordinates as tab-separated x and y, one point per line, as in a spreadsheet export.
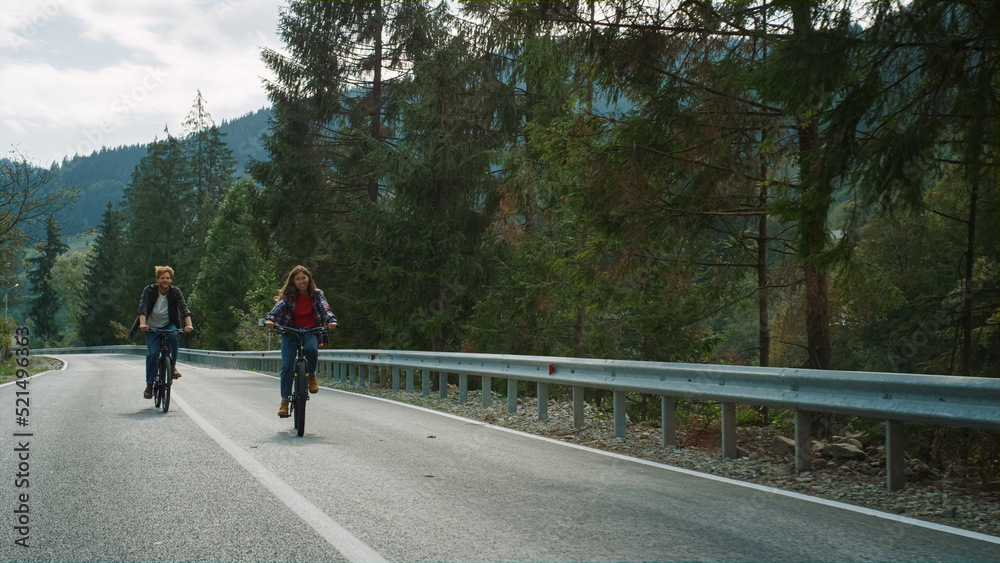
512	395
365	372
543	401
895	465
425	383
619	414
487	391
409	380
729	431
443	385
578	415
803	440
395	378
463	388
668	420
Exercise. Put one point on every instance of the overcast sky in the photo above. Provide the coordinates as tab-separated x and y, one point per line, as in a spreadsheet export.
76	75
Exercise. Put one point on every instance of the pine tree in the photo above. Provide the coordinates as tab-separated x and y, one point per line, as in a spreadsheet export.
45	301
106	302
426	258
156	203
211	166
231	268
332	119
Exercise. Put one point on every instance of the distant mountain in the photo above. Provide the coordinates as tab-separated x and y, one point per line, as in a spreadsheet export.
103	175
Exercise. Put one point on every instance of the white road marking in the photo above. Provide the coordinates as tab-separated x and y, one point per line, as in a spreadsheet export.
339	537
708	476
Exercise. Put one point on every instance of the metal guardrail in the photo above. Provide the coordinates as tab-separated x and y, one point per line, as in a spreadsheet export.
969	402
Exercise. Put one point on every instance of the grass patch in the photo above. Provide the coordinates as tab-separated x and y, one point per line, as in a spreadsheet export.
38	364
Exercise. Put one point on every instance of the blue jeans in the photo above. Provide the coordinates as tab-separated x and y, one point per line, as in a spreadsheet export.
153	350
289	349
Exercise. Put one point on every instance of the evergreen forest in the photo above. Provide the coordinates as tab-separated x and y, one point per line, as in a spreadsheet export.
807	184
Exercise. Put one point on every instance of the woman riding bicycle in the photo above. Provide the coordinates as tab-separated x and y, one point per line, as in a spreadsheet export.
161	306
299	304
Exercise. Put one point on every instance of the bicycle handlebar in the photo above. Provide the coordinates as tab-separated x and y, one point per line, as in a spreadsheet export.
165	330
296	330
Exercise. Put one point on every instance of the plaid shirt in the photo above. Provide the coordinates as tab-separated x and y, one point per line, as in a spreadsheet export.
178	308
283	310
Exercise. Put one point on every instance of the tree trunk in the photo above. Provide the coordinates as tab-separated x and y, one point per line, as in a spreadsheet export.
814	199
965	368
763	325
817	318
581	310
376	111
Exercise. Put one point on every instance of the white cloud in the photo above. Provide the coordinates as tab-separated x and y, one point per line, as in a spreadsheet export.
75	75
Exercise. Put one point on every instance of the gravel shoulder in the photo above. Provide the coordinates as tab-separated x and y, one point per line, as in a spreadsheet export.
930	495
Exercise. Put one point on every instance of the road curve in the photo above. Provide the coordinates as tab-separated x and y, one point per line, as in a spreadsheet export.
105	477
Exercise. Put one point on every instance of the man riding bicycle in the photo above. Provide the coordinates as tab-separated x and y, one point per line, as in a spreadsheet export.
299	304
161	306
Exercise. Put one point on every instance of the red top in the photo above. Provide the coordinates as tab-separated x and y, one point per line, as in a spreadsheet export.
304	316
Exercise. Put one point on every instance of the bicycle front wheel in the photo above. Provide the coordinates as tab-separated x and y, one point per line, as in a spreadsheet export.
158	384
300	415
166	378
301	393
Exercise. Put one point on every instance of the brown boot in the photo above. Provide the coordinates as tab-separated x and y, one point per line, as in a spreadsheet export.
148	393
177	374
283	410
313	386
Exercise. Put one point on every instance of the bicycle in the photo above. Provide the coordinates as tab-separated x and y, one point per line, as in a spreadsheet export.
164	370
300	384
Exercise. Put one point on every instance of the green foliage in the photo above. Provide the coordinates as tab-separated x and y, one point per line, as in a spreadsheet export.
104	301
232	266
30	198
211	167
257	303
676	183
45	301
425	255
156	203
7	326
67	278
332	117
172	201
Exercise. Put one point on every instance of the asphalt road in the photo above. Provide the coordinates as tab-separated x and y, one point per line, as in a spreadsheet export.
105	477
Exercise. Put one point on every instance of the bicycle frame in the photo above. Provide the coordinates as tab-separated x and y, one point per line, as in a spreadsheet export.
300	388
164	370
